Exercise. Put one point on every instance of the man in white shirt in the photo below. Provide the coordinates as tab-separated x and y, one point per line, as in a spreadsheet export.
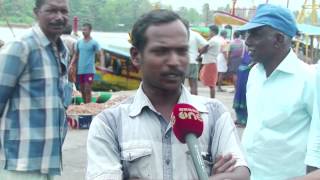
196	41
280	100
314	131
134	140
209	70
222	59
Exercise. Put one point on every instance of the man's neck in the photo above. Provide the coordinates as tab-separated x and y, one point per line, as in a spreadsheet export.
270	66
163	101
53	39
87	38
159	97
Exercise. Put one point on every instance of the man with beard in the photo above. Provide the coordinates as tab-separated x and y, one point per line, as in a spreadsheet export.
280	100
34	87
84	56
134	140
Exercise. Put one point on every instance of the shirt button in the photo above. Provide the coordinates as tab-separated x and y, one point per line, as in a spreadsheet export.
167	136
168	161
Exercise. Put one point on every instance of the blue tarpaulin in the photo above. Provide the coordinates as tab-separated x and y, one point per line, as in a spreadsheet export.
308	29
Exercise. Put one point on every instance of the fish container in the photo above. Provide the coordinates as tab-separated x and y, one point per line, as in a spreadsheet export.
79	121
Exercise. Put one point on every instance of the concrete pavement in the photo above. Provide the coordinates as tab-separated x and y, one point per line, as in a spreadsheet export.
74	148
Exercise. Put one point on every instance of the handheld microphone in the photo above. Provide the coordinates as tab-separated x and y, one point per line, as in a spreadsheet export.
187	127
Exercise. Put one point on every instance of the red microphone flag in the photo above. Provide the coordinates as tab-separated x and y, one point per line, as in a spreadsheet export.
186	119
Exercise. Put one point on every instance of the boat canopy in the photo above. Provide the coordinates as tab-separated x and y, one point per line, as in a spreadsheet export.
223	18
309	30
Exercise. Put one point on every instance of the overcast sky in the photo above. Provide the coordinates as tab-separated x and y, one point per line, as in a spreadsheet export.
197	4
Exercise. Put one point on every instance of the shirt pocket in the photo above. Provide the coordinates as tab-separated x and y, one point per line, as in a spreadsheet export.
137	161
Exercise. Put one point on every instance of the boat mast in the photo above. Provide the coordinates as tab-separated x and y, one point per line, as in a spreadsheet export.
233	7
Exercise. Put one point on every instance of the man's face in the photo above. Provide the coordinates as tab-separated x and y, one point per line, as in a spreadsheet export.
86	31
53	17
164	59
261	44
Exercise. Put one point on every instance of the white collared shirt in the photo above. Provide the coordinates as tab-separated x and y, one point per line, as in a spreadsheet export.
213	50
196	41
313	148
280	111
132	140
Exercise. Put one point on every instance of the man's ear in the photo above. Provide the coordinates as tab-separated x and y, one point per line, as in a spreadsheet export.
135	56
35	11
279	39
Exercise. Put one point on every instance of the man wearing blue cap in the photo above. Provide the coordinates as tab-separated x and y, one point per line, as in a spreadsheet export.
280	97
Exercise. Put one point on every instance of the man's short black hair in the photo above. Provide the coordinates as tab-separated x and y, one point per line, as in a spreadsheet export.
39	3
214	29
87	25
224	33
155	17
236	34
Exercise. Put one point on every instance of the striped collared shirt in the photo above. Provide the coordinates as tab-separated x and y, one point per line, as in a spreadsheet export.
133	140
34	94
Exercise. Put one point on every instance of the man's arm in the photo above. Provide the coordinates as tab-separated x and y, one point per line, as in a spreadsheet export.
101	58
74	58
13	59
224	164
204	49
226	140
100	53
239	173
313	146
102	149
225	51
75	55
315	175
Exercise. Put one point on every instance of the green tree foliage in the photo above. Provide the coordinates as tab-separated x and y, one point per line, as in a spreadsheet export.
104	15
17	11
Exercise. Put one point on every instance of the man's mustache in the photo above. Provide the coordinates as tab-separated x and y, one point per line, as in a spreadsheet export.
176	72
59	23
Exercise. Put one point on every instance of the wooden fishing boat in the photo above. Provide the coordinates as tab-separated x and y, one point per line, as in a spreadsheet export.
118	71
121	74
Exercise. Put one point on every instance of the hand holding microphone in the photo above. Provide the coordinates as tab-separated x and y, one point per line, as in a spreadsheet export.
187	127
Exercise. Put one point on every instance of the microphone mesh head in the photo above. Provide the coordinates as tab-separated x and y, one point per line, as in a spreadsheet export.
186	119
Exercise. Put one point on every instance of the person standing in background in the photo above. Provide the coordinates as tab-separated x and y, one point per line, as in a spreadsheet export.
196	41
235	55
84	56
70	41
209	72
222	59
34	92
239	99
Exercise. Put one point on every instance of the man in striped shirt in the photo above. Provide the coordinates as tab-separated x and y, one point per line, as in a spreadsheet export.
34	95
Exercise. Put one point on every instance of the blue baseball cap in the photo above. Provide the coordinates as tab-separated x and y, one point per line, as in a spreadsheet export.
277	17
